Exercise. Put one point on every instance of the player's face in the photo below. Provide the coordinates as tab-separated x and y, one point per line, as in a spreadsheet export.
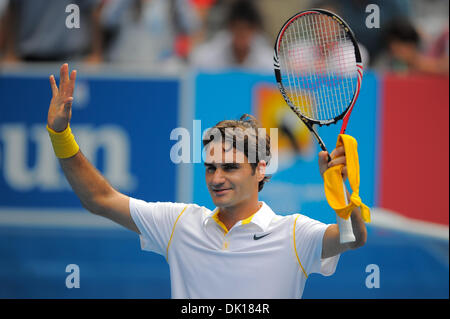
229	176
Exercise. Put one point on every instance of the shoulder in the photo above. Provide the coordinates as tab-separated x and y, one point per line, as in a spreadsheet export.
172	209
289	217
303	219
283	222
299	222
139	204
306	228
195	210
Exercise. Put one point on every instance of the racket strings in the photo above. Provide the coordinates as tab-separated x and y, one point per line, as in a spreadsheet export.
318	66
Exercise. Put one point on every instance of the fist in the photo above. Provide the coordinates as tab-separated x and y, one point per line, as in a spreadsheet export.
337	158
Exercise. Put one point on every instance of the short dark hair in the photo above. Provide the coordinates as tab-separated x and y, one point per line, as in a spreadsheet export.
244	10
247	123
401	30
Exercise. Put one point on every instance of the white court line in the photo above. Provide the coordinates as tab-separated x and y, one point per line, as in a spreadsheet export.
385	218
54	218
79	218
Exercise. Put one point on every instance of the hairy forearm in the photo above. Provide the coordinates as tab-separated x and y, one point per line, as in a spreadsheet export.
358	226
86	181
359	229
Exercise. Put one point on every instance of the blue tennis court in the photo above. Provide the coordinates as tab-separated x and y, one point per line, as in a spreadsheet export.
33	262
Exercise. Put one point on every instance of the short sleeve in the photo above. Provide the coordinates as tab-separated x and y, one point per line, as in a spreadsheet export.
155	222
308	238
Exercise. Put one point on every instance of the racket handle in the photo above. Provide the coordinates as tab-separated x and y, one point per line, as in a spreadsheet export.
345	226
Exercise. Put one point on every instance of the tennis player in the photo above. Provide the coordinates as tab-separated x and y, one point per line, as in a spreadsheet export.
241	249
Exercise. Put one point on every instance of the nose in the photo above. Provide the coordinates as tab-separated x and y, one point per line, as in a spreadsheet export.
218	177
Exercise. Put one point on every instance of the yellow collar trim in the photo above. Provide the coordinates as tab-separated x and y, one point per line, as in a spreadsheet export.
219	222
222	225
248	219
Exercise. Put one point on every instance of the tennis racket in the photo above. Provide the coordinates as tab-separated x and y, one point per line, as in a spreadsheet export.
319	71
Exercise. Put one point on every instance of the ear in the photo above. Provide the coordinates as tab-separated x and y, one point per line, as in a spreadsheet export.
261	170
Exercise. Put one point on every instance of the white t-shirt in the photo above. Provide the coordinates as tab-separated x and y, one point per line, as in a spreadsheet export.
263	256
216	55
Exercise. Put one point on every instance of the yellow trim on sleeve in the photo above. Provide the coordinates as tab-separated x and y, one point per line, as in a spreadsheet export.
295	248
173	230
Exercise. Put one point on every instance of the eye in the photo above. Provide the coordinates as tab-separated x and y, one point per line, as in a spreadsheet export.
210	169
230	167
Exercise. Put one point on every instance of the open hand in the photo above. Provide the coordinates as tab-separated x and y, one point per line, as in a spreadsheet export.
60	110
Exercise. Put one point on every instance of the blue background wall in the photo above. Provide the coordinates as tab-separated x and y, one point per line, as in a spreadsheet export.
140	113
138	110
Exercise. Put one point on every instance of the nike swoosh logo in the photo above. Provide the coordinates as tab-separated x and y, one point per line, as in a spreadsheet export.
259	237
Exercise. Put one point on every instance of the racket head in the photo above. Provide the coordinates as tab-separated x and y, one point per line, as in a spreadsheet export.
318	66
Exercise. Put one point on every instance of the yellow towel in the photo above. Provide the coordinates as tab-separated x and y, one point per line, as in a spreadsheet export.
333	182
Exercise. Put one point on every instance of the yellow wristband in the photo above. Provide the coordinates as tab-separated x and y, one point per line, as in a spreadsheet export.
64	143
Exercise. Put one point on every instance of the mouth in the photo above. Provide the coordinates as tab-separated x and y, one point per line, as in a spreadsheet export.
221	191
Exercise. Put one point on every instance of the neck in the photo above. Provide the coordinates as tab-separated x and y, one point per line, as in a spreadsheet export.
231	215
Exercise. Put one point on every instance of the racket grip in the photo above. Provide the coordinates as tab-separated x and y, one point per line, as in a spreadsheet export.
345	226
345	230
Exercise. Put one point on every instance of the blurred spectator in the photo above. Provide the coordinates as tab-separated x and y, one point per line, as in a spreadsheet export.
430	18
272	13
154	32
240	45
335	8
275	13
35	30
211	14
3	6
439	48
405	53
354	13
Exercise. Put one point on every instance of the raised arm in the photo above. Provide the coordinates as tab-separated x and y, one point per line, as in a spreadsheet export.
93	190
331	245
